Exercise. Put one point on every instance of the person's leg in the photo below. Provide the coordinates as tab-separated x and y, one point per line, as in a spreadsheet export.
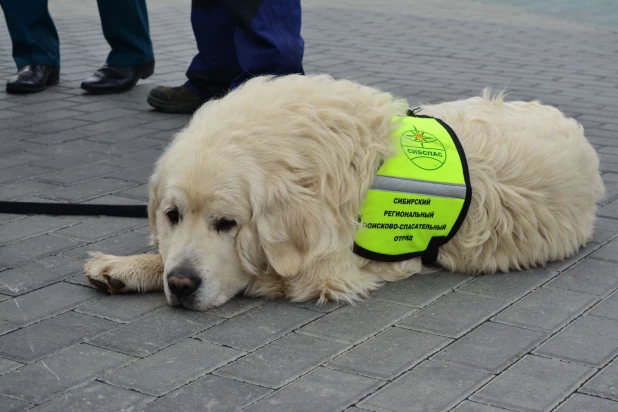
212	70
215	66
36	48
125	27
268	39
32	31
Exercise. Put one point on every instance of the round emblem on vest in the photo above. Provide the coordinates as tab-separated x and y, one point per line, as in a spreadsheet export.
423	149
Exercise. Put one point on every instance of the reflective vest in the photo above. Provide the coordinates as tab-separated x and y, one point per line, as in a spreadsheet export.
420	196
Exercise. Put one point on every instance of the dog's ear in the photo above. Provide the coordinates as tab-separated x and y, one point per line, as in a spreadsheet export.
287	225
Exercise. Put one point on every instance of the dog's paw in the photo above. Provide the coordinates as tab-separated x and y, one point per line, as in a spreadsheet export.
105	272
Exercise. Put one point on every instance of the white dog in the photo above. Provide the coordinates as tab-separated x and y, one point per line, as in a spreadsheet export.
261	192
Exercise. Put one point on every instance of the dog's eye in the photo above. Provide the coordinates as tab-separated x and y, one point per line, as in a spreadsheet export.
224	224
173	216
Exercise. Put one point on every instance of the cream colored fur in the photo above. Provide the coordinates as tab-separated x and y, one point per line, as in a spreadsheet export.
291	159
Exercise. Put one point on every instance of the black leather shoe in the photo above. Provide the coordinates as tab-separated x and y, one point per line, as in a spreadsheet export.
117	79
33	78
179	99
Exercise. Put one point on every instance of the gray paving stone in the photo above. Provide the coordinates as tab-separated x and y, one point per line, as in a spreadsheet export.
508	286
123	308
36	274
322	308
211	393
183	362
138	174
13	405
562	265
605	383
44	303
468	406
610	210
49	116
454	314
74	175
110	125
18	159
465	46
120	135
608	308
235	307
389	353
12	147
546	309
30	227
258	326
19	190
96	396
51	335
336	390
354	324
579	403
137	155
420	289
431	386
73	160
140	193
114	200
6	327
95	228
589	340
62	136
7	365
55	126
491	347
8	217
38	247
58	373
533	384
605	229
608	252
68	148
173	123
113	113
155	332
128	243
15	173
592	276
87	190
282	361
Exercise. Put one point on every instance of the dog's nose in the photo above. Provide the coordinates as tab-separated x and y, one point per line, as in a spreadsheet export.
182	282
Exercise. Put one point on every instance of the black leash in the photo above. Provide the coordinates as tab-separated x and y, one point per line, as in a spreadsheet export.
72	209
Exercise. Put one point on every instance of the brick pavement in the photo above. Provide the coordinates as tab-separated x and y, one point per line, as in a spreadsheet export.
540	340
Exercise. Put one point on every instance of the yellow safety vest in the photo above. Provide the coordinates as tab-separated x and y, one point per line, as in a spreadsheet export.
420	196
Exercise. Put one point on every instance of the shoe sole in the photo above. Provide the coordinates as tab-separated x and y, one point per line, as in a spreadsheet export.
165	107
52	80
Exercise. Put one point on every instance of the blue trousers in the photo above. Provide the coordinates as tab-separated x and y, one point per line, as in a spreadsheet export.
35	39
239	39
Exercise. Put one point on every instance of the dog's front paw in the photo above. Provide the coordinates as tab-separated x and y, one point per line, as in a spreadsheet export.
105	273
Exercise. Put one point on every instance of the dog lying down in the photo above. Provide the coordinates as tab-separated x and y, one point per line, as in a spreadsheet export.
262	192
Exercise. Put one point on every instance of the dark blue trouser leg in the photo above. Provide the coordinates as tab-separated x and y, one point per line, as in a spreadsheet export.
33	33
239	39
215	66
268	42
125	27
